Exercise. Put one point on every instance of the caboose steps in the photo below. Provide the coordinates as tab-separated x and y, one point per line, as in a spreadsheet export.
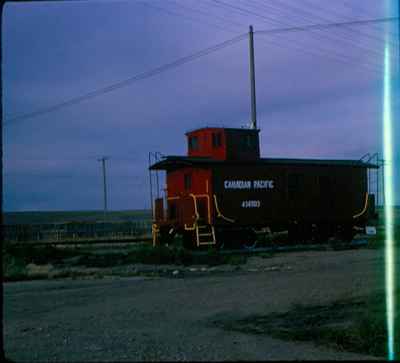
207	235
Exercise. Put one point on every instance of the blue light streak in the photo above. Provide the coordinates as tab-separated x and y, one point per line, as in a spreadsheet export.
389	197
389	201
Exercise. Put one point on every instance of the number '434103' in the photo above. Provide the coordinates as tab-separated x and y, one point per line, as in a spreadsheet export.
251	204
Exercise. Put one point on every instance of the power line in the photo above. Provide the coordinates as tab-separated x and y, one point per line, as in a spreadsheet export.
367	13
334	37
174	13
324	26
187	59
128	81
327	26
270	41
358	31
337	56
205	13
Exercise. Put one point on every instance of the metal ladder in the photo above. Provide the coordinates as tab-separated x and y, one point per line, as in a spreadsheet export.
205	235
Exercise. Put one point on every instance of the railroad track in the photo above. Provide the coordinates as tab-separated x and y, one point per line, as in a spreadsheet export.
75	242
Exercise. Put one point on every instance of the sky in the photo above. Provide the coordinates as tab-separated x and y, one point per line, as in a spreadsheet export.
319	93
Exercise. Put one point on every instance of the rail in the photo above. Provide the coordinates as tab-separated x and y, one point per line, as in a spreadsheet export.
83	242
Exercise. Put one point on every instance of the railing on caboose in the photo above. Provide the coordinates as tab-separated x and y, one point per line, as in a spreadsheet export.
157	181
375	177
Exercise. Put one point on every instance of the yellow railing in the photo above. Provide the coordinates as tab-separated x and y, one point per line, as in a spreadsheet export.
219	214
154	231
364	209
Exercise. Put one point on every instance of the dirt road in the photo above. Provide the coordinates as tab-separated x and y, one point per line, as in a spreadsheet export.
172	318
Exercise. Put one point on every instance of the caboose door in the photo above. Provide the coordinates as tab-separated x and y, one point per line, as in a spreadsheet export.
202	209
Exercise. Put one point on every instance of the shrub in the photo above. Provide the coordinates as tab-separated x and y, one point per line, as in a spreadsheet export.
14	268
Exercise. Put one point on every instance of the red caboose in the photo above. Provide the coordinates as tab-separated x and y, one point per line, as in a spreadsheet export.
223	190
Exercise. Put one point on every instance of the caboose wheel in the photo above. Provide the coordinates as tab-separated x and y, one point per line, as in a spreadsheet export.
249	239
305	233
293	233
163	235
346	233
220	239
321	233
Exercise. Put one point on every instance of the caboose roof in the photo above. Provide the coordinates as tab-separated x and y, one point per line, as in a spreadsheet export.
173	162
221	128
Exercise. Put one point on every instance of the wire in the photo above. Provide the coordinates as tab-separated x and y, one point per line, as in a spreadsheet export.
203	12
326	26
363	11
174	13
337	56
128	81
370	36
335	37
187	59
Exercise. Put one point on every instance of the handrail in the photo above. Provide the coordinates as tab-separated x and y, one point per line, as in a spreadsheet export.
219	214
367	154
191	228
364	209
154	231
372	156
195	206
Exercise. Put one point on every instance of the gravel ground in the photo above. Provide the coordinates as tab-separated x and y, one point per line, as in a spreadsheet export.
172	318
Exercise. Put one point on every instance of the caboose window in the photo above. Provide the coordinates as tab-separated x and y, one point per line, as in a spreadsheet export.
216	139
188	181
193	143
247	142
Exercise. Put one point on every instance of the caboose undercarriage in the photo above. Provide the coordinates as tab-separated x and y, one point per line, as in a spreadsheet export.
225	232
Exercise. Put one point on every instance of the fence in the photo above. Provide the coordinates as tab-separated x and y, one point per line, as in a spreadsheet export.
75	230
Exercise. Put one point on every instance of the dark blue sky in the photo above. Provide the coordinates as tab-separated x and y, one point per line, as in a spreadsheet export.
319	94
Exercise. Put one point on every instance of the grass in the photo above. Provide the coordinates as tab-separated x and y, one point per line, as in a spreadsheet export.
73	216
28	262
354	325
14	268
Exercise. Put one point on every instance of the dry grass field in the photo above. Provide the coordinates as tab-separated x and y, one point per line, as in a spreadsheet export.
141	303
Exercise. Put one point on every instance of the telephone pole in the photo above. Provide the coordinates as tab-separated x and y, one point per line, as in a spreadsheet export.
252	80
103	160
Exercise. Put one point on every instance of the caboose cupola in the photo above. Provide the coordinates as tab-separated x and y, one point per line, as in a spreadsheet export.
224	143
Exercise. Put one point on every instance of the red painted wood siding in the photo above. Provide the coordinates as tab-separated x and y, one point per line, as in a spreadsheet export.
176	188
176	182
205	146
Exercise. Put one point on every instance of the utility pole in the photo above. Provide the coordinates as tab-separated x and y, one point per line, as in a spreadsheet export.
103	160
382	161
377	180
151	187
252	80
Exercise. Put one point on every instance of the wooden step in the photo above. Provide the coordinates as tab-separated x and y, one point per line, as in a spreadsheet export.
206	243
